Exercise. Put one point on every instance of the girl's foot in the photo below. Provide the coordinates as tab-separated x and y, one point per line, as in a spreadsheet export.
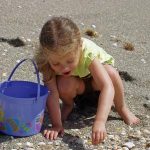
66	110
128	117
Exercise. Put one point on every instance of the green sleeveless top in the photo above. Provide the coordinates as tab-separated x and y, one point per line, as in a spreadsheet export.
90	51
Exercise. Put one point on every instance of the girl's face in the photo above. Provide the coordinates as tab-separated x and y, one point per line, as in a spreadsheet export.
64	64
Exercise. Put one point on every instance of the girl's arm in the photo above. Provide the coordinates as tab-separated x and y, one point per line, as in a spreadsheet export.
49	79
53	103
54	111
105	85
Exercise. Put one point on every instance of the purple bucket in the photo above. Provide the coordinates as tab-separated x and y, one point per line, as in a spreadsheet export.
22	105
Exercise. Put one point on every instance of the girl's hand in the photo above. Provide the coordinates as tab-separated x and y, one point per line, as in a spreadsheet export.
52	133
98	132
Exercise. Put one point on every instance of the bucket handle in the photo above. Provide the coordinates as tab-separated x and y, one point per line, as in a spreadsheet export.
36	70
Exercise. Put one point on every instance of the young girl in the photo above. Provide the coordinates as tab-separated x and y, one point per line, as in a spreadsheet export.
67	62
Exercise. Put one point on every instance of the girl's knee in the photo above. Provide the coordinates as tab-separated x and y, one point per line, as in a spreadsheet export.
66	87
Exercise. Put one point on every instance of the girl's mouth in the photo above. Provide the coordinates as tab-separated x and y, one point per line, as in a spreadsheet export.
67	73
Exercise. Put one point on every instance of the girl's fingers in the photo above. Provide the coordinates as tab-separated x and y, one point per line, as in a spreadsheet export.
101	137
55	135
105	134
44	133
62	133
51	135
93	138
98	137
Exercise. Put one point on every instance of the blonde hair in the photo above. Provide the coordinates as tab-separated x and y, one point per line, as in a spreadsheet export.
59	34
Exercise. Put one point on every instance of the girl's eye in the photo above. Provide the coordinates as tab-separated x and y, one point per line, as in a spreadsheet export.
57	64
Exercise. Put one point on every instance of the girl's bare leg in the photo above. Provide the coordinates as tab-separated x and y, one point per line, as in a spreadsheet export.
122	109
68	88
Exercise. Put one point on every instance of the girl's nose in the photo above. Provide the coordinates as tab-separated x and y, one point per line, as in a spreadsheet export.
65	68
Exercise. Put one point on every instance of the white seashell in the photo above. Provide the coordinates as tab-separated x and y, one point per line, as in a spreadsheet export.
129	145
50	143
82	24
123	133
145	131
143	140
19	144
28	144
5	50
41	143
4	74
124	148
93	26
111	137
113	36
143	60
28	40
130	128
138	133
18	61
57	143
19	6
115	44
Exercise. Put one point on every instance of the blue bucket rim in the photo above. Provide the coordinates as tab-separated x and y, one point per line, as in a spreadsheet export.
27	99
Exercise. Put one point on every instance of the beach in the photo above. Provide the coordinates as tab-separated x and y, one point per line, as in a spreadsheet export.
122	28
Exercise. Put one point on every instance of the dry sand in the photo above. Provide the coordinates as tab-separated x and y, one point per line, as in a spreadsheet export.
116	22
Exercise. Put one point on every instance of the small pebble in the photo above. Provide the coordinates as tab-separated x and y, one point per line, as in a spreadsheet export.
79	141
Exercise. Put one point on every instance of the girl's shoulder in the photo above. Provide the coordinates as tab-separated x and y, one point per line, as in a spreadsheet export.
90	46
91	50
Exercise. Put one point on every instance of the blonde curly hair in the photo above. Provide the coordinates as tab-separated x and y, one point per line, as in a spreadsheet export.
58	35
